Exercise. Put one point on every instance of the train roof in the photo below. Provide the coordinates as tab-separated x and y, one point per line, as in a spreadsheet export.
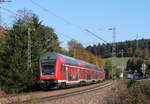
69	60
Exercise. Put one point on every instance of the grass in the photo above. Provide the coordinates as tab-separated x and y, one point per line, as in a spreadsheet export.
118	61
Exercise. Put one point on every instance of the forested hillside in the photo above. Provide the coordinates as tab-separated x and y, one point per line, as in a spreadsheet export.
132	48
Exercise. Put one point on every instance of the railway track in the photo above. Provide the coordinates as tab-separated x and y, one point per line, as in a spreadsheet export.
42	96
60	96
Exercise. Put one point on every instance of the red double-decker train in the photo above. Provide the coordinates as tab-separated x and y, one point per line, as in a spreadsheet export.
57	70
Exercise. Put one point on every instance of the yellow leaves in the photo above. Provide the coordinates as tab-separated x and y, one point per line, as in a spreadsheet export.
2	32
77	50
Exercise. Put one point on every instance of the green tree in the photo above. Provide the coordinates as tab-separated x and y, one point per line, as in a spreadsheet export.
135	64
14	76
108	69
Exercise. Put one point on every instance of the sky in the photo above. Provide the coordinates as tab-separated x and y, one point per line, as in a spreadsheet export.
70	18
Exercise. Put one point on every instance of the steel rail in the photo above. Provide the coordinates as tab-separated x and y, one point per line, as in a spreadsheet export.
50	98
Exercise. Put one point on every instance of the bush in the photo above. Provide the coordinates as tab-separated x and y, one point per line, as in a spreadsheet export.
2	93
130	83
137	93
140	92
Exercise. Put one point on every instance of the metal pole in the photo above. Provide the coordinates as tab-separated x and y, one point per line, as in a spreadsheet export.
122	74
114	42
29	51
137	43
113	48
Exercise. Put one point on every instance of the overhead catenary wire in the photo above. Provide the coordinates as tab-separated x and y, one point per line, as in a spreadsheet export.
65	36
9	11
68	22
3	1
6	13
54	14
62	34
96	36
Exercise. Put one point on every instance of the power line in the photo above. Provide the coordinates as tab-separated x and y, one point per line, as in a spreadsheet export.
59	17
2	1
68	37
5	0
68	22
9	11
65	35
96	35
6	13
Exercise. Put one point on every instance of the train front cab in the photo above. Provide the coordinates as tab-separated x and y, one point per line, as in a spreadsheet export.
47	73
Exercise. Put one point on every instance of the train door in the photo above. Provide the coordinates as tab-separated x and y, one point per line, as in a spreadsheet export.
76	74
88	75
63	72
69	73
82	74
72	73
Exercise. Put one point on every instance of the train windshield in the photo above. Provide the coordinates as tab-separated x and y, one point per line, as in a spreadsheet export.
48	68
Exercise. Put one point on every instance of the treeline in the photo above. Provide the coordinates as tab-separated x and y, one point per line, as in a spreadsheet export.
23	44
134	48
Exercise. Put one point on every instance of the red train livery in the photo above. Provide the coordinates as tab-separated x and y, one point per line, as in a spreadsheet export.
56	70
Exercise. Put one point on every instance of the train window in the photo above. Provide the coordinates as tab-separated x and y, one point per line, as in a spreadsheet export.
69	76
93	72
97	76
63	68
76	76
82	71
88	76
48	68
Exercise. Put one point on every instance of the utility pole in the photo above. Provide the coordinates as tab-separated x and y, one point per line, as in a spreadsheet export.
122	74
114	42
113	48
136	47
2	1
137	42
29	60
29	52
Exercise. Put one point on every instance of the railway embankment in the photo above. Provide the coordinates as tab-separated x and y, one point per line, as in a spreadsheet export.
92	97
36	96
121	92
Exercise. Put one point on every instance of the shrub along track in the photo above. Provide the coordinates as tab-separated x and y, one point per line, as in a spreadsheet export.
41	96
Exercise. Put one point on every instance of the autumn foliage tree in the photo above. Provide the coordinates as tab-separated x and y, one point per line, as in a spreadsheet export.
3	31
77	50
